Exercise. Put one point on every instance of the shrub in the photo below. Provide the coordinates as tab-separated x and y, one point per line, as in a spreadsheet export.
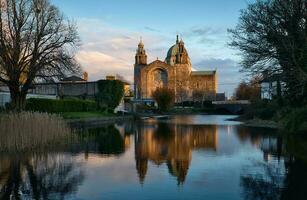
262	109
57	106
164	97
296	120
110	93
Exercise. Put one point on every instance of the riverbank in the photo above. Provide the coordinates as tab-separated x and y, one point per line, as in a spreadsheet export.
85	115
259	123
97	121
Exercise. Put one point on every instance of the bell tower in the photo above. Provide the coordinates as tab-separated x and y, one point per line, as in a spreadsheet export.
140	57
140	61
182	55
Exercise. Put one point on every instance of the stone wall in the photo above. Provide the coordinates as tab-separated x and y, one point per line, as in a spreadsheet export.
61	90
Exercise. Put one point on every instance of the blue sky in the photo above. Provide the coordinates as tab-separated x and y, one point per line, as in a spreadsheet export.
110	31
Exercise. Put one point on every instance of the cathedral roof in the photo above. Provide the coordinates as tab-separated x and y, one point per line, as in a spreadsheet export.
173	51
200	73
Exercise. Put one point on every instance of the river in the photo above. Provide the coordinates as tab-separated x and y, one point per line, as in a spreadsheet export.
178	157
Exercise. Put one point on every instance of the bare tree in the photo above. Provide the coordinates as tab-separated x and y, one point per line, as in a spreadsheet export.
248	91
36	42
198	95
272	36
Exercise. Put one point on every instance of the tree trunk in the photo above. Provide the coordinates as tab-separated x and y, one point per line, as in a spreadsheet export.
18	99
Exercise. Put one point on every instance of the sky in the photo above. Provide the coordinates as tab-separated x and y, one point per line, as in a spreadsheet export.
111	29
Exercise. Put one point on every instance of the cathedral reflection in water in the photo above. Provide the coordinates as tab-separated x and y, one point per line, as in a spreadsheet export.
171	144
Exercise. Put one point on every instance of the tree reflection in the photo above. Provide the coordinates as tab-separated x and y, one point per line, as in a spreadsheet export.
105	140
284	179
51	176
265	185
296	180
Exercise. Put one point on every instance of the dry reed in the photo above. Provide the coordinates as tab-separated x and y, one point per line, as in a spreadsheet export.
29	130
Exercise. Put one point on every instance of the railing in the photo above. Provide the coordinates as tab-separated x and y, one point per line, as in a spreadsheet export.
231	102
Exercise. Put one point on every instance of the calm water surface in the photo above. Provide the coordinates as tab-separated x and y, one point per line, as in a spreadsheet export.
182	157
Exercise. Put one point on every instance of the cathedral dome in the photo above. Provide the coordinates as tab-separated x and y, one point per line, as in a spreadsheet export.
172	51
175	51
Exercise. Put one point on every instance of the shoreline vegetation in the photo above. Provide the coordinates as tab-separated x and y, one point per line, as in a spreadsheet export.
25	131
28	131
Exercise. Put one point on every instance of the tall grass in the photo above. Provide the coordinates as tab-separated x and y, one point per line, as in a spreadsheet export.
30	130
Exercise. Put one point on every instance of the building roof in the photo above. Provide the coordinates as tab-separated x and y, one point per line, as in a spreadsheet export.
73	79
202	73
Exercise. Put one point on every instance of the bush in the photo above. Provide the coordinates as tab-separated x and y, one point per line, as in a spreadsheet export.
110	93
296	120
57	106
164	97
262	109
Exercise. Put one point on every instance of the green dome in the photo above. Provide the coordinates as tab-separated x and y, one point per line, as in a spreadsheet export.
172	52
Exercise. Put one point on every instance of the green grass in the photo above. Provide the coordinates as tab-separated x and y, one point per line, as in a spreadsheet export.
84	115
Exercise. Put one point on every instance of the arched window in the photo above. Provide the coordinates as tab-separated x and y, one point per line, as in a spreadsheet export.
159	78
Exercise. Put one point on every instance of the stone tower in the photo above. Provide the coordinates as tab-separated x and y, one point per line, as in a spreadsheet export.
140	57
140	62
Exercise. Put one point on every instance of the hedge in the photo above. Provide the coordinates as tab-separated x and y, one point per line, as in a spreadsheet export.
57	106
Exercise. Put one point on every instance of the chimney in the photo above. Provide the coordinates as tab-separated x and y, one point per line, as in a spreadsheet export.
85	76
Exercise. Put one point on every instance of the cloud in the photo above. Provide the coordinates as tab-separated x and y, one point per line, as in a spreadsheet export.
206	35
107	50
151	29
200	31
99	64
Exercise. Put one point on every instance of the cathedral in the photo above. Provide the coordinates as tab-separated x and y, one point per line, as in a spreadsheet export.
175	72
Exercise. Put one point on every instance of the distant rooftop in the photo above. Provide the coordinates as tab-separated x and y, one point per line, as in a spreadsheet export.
117	77
199	73
73	79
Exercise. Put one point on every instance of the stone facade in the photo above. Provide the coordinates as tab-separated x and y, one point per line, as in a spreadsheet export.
175	72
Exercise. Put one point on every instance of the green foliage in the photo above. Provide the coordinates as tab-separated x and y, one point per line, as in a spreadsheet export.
296	120
57	106
266	49
110	93
262	109
2	109
293	119
164	97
